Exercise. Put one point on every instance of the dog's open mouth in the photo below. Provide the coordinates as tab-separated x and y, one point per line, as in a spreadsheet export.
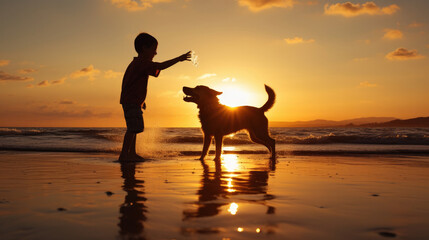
190	95
189	98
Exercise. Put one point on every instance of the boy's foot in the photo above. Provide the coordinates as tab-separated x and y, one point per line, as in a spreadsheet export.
123	159
137	157
131	158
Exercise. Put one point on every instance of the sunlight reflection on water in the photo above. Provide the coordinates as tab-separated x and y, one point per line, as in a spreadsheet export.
230	163
233	208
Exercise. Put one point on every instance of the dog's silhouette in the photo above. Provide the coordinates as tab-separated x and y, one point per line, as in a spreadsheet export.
218	120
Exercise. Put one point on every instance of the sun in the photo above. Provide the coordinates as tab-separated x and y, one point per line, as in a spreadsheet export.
234	96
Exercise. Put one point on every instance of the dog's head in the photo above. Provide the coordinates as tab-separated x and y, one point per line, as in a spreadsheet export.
200	95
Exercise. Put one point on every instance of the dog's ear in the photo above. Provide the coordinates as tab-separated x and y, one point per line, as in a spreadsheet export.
218	93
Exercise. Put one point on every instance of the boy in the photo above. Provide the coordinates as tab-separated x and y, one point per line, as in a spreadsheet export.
134	90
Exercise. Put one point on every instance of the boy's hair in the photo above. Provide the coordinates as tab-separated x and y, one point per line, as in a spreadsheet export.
144	40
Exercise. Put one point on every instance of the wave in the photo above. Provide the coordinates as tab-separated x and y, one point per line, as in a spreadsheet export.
110	134
359	139
326	139
57	149
16	131
304	136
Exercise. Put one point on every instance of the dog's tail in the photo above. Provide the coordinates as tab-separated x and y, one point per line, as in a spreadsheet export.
271	99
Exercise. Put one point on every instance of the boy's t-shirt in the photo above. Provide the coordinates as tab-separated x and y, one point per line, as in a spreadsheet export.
134	83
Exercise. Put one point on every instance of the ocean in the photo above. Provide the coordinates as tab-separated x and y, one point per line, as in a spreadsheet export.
170	142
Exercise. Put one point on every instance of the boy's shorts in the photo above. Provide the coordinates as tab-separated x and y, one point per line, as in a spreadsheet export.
133	117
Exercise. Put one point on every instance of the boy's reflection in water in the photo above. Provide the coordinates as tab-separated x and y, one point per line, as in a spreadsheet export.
133	210
219	185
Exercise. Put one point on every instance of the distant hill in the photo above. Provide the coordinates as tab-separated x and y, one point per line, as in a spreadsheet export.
413	122
329	123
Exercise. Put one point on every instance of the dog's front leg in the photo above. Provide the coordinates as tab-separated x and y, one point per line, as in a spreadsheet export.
207	141
218	140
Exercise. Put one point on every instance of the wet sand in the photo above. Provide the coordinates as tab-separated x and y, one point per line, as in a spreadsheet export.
88	196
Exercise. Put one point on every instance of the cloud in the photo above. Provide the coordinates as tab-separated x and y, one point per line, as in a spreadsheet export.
43	84
4	62
415	25
9	77
228	79
312	3
259	5
392	34
349	9
404	54
297	40
89	72
131	5
47	83
135	5
27	71
60	81
67	102
205	76
112	74
367	84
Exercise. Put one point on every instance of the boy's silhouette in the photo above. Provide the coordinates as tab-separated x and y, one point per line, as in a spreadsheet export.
134	90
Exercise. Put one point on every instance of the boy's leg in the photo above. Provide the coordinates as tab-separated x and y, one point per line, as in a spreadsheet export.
133	145
132	151
134	119
129	138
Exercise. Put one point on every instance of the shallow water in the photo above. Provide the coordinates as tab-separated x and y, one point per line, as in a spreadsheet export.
162	143
87	196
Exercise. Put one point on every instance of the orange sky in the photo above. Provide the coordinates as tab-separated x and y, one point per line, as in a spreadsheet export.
62	62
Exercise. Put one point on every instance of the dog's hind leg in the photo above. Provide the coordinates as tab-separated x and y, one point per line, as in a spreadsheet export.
264	139
207	142
219	141
273	147
255	139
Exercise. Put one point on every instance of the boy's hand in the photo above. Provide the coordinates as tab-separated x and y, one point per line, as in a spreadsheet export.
185	57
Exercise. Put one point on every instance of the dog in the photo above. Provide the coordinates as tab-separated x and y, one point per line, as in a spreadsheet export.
218	120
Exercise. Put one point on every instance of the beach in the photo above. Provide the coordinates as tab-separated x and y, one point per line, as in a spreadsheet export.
63	195
315	111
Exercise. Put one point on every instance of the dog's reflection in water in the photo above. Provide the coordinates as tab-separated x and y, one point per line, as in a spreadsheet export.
230	179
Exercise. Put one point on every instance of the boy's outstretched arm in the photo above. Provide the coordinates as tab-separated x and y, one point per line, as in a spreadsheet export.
171	62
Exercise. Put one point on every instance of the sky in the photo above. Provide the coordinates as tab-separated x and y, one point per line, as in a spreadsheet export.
62	62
